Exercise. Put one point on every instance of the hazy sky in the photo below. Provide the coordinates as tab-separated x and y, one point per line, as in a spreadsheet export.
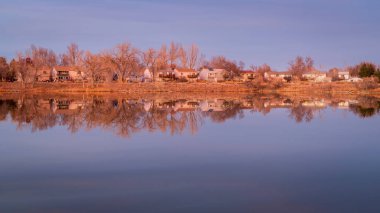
333	32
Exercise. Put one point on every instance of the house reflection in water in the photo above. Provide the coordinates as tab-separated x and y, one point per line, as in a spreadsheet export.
65	105
125	117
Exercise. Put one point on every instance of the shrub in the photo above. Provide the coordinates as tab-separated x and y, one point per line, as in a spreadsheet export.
377	74
368	84
366	69
276	83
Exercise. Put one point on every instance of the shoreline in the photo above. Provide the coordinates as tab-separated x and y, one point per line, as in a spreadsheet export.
197	88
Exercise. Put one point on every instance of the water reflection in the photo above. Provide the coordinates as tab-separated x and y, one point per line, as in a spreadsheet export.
127	116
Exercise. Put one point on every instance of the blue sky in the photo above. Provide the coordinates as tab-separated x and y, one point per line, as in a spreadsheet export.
333	32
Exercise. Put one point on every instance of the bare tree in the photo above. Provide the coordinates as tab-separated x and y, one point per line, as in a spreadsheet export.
223	63
23	69
173	53
73	56
4	68
149	57
95	67
193	56
124	58
40	57
183	57
300	66
261	70
163	58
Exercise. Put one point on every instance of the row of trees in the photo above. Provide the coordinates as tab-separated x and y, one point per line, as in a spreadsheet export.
125	61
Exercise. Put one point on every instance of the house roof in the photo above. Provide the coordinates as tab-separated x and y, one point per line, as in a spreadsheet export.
315	72
247	72
186	70
343	72
64	68
279	73
167	70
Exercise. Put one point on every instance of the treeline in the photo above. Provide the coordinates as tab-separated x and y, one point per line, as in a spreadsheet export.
125	61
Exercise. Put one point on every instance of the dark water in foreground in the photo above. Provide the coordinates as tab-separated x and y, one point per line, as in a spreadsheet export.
257	154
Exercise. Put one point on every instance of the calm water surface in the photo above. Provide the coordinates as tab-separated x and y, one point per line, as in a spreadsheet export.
253	154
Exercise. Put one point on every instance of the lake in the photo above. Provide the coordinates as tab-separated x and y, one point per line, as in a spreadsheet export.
109	153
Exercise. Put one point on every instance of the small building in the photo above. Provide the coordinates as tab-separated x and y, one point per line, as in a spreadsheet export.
214	105
314	75
323	79
212	75
186	105
247	75
147	76
344	75
278	75
186	74
165	75
65	73
44	74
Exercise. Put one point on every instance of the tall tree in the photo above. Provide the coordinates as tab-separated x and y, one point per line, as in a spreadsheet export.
73	56
300	66
95	67
23	69
149	60
173	53
222	62
193	56
124	59
183	57
4	68
163	58
41	57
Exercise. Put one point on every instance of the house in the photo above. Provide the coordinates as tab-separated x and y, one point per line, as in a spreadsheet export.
186	105
147	75
320	79
212	75
65	73
343	75
215	105
278	75
247	75
165	75
44	74
186	74
314	103
64	106
314	75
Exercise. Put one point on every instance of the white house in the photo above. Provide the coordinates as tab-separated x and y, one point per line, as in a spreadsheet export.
278	75
147	75
314	75
213	75
344	75
186	74
215	105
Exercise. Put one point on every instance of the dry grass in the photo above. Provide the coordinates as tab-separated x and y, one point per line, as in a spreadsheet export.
191	88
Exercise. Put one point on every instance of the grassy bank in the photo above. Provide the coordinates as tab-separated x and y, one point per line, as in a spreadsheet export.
335	88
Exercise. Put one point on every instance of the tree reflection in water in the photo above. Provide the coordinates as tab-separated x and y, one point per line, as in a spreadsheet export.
128	116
